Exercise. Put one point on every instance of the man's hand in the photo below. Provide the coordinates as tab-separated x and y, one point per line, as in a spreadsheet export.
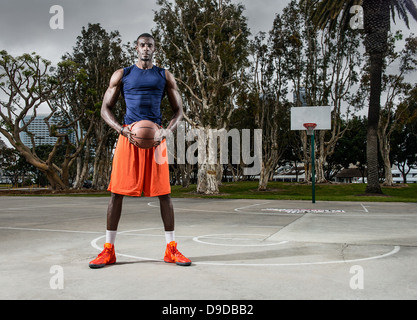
127	132
160	135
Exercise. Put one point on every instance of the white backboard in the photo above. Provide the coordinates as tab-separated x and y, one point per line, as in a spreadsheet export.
319	115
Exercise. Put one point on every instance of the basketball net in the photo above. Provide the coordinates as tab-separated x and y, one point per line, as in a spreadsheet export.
310	128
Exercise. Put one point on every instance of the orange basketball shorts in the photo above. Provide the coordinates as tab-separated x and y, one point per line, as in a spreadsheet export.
136	171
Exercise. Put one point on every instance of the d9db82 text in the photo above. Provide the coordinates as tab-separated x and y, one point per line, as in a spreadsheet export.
234	309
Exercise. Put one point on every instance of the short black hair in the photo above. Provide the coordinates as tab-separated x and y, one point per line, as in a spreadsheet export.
144	35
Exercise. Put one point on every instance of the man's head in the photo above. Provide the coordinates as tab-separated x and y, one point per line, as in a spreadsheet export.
145	47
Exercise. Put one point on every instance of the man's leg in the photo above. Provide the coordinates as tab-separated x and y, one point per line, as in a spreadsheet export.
114	211
172	255
167	212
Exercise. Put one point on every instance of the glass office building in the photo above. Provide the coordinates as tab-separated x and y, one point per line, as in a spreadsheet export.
40	131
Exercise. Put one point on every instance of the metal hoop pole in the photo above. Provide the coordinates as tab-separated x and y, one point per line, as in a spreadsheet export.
313	170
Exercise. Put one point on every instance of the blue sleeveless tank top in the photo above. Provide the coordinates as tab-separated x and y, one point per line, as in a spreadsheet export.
143	91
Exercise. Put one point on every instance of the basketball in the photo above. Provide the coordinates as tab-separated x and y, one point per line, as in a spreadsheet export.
143	133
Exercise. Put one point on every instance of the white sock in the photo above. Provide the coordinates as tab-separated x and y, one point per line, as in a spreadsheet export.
110	236
169	236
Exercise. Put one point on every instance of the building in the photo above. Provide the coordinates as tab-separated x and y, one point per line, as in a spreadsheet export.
300	95
354	175
40	130
290	174
351	175
411	175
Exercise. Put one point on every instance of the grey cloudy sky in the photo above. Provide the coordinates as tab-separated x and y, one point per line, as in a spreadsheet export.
24	24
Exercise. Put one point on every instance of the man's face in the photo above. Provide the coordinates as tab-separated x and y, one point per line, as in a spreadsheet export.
145	48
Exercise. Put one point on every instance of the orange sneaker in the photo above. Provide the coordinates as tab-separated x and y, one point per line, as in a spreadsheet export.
172	255
107	256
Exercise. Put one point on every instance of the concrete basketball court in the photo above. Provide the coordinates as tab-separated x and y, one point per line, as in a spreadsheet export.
241	249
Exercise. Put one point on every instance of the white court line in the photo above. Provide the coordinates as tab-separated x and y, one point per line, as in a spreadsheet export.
155	205
94	245
263	211
394	251
345	214
230	237
32	207
49	230
252	205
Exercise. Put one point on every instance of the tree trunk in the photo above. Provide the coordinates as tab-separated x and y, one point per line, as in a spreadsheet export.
404	172
208	165
266	171
82	167
377	24
387	168
385	148
185	174
102	165
55	180
320	158
45	167
207	179
373	121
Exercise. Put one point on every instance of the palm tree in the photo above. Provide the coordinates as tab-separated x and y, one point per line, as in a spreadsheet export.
377	19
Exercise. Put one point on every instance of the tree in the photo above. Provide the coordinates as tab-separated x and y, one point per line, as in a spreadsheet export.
393	112
267	102
395	89
28	82
99	53
336	14
404	138
11	166
204	44
351	148
325	65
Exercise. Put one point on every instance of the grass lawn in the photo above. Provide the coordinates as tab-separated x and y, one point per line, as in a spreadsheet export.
276	190
297	191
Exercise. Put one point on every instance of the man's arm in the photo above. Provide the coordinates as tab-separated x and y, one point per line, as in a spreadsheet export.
175	101
110	99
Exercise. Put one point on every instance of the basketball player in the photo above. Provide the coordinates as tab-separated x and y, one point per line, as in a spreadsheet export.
135	171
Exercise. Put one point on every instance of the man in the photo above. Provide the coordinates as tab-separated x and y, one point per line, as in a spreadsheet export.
135	170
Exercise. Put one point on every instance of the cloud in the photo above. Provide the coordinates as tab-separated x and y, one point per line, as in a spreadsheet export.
24	24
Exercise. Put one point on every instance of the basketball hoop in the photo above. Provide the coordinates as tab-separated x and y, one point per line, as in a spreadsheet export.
310	128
